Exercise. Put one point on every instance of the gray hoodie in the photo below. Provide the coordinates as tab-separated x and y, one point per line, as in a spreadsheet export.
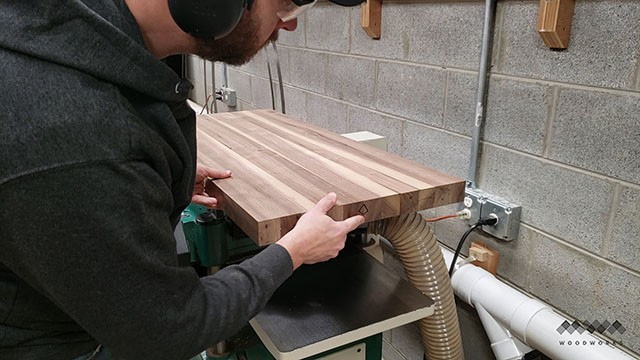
97	155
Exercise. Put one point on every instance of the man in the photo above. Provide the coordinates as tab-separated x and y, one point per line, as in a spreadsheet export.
97	162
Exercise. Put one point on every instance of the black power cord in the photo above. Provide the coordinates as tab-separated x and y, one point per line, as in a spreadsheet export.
484	221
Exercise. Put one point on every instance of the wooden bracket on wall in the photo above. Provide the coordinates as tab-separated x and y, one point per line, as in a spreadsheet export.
554	22
371	18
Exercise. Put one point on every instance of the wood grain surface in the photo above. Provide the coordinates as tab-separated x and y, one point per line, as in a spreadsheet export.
282	167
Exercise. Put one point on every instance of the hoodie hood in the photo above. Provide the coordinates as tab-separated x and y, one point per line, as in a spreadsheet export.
36	28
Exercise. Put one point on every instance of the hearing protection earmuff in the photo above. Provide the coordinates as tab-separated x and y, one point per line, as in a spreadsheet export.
210	19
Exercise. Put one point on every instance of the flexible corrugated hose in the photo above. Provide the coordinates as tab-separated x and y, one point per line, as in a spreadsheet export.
419	252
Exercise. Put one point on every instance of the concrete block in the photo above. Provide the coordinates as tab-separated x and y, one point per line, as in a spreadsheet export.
282	56
195	67
266	97
328	27
412	92
618	300
599	132
394	38
460	107
327	113
351	79
605	38
586	288
243	106
294	38
637	87
516	115
295	102
391	128
308	69
241	83
437	149
261	93
516	112
624	246
219	70
515	256
257	65
564	277
446	33
568	204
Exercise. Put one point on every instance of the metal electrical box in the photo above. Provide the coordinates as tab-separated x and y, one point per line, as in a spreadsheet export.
482	205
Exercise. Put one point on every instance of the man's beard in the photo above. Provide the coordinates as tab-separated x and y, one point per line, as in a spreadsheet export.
238	47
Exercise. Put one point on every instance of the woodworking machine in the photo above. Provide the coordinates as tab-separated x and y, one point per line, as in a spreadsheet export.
333	310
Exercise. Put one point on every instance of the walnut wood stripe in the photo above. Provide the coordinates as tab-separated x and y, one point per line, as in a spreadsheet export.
282	166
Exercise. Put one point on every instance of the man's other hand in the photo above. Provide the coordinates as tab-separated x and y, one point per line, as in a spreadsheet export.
200	195
317	237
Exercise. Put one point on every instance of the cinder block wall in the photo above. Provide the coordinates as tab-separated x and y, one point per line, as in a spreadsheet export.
562	134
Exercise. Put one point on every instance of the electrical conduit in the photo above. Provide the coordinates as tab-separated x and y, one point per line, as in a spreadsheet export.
418	249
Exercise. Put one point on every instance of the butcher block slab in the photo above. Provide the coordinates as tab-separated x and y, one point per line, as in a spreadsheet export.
282	166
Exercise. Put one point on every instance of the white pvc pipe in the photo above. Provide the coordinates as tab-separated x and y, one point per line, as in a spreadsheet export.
503	344
530	320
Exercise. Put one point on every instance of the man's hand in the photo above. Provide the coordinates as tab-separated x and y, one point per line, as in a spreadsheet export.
317	237
200	195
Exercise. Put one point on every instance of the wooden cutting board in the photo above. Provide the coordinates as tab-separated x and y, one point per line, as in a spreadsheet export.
282	166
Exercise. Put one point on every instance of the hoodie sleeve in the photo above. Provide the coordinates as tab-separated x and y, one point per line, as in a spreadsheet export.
96	240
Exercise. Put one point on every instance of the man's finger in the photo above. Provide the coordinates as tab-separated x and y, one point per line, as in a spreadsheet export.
326	203
353	222
205	201
217	174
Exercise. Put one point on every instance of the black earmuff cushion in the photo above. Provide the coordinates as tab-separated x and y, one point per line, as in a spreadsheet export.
347	2
207	18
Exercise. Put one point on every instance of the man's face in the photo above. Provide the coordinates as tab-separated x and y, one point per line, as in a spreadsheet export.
255	29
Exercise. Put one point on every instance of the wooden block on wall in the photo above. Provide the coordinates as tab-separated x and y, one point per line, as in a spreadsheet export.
554	22
371	18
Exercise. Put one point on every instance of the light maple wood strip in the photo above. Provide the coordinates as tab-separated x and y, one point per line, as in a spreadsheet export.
405	170
283	166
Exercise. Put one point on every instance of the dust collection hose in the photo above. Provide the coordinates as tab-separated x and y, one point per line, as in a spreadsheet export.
420	254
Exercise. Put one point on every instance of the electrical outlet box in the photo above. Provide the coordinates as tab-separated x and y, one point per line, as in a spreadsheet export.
508	218
482	205
473	199
228	96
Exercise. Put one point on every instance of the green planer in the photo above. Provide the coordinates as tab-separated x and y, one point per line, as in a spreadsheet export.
336	310
212	239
